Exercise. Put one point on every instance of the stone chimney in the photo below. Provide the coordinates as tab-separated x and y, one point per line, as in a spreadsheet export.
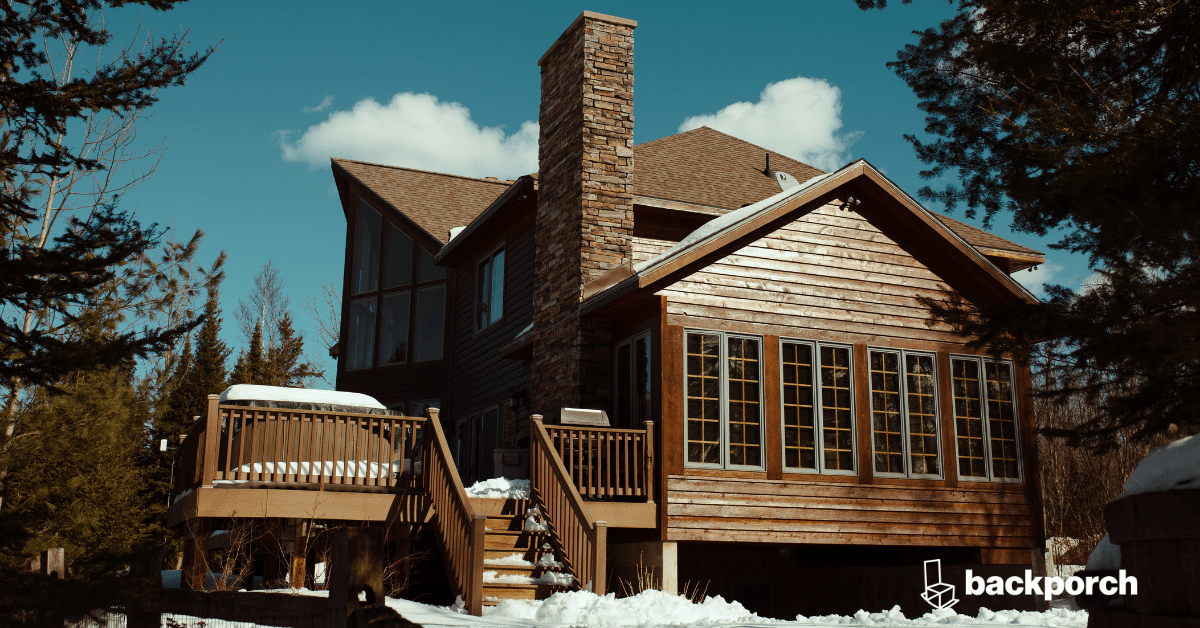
584	219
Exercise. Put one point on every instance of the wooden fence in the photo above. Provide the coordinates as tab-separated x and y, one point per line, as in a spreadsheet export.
582	542
606	462
251	445
459	528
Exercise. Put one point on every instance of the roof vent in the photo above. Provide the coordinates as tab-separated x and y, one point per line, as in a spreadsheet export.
785	180
767	171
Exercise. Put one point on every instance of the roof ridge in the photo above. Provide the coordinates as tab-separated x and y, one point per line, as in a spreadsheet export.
499	181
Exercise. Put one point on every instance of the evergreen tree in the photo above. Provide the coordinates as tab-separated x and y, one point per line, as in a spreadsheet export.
286	360
252	366
1080	115
200	374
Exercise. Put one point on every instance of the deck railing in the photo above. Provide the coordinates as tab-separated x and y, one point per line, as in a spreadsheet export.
607	462
460	529
581	541
263	446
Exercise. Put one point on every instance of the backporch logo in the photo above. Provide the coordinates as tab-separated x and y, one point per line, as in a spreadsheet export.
940	595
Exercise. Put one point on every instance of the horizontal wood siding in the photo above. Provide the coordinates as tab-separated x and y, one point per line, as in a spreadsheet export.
794	510
481	378
829	271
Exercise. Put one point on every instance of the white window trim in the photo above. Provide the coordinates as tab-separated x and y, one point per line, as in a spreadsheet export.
906	437
817	410
987	438
724	409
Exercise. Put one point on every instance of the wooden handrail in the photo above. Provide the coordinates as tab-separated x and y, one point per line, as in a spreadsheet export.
460	529
607	462
582	542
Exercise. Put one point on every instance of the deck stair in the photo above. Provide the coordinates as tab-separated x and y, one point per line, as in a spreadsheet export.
513	553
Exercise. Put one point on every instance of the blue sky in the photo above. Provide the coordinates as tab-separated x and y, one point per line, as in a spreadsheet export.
450	87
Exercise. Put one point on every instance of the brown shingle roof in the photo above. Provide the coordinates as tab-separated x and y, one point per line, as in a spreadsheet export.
701	167
707	167
982	239
435	202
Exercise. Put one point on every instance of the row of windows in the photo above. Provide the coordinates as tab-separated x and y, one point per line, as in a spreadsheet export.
398	308
724	409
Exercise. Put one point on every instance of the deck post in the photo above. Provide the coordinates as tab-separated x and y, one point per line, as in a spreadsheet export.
195	554
212	436
478	531
298	563
649	470
356	567
600	549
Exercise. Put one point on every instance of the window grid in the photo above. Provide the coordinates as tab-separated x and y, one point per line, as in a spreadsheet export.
922	414
704	398
837	417
745	417
1001	420
887	421
968	418
799	415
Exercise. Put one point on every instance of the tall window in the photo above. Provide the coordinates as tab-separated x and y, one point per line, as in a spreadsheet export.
985	419
489	290
724	400
632	372
904	426
818	409
398	312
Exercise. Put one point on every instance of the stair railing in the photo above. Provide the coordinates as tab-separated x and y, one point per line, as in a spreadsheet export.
460	529
582	542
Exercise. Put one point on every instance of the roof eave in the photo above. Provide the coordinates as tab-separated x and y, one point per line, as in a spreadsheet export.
451	250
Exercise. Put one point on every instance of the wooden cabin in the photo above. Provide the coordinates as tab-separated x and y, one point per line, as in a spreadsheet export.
785	426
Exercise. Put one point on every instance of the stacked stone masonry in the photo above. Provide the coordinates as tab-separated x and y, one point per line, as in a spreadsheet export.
585	203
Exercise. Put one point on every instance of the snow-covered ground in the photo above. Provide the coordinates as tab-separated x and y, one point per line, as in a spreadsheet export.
653	609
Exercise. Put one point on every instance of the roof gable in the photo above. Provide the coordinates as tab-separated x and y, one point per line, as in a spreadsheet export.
886	206
433	201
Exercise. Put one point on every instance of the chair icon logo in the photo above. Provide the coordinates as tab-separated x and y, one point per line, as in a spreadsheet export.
937	593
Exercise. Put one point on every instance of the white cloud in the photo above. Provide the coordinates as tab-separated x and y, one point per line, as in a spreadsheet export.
1034	279
326	102
798	117
417	131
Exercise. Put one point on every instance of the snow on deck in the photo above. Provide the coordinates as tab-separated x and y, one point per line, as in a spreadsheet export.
499	488
1172	467
252	392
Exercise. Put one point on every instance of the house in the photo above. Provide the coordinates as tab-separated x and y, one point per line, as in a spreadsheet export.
785	426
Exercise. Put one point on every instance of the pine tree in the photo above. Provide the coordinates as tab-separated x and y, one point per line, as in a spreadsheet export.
1084	116
201	374
252	366
286	360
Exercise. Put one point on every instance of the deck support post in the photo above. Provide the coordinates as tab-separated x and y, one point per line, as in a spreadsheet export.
297	569
357	567
272	542
195	554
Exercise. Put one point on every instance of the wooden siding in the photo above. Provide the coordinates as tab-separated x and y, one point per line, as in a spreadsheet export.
795	510
829	271
481	378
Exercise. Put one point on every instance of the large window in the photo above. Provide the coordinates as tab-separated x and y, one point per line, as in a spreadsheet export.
398	313
724	400
817	385
985	419
631	369
489	290
904	420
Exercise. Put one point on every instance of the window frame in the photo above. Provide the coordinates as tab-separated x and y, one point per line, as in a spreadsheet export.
631	342
906	425
380	293
490	258
819	419
724	401
982	361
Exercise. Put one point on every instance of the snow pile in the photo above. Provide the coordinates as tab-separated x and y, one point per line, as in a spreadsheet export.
500	488
550	578
547	560
1106	556
648	608
512	560
532	525
1055	617
1174	466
